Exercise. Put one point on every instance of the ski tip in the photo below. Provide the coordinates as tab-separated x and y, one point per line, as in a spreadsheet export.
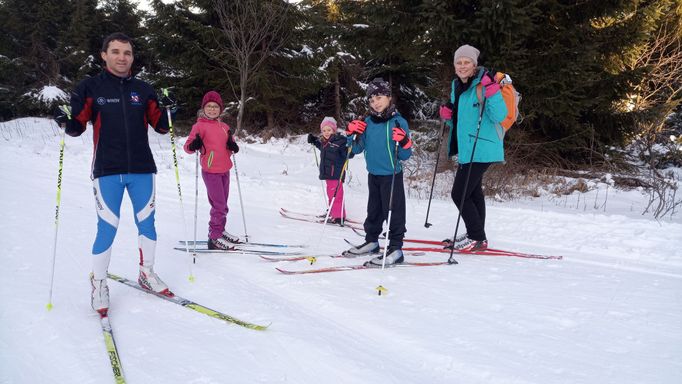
260	327
191	278
48	306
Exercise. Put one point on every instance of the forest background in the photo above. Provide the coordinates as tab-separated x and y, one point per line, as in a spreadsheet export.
601	81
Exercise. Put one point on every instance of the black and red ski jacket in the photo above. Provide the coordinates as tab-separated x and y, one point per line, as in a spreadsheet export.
120	109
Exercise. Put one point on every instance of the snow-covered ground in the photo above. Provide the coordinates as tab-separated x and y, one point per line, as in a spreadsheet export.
609	312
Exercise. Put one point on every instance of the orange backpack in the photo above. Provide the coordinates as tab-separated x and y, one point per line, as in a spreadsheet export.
511	100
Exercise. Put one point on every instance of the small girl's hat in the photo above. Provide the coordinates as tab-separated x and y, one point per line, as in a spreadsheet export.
214	97
328	122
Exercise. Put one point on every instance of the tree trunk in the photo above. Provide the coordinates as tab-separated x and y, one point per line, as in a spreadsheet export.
444	163
270	116
337	98
242	103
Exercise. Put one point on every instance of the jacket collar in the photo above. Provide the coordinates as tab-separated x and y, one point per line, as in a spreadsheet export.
110	75
204	119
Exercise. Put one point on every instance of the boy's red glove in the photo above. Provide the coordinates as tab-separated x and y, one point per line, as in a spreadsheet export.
401	137
356	126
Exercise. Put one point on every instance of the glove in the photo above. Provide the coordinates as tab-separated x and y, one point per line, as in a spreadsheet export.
196	144
356	126
401	137
312	139
168	100
491	87
62	114
445	111
232	145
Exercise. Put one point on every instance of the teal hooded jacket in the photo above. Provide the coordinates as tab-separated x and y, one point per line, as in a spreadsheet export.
490	146
379	147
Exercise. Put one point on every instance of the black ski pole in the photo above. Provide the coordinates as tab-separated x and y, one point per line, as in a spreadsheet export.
336	190
381	288
343	172
451	259
435	169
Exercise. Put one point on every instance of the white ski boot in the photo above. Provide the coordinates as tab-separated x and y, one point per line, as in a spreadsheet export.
367	248
234	239
393	256
150	281
99	299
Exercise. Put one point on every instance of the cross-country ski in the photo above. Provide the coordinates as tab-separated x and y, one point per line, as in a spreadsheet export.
175	299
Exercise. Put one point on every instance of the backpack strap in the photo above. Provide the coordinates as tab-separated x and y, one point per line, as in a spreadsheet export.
479	86
479	94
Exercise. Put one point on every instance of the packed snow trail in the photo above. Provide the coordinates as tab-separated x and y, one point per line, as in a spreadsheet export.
609	312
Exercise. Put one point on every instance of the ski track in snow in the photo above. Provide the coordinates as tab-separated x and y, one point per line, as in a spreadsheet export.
609	312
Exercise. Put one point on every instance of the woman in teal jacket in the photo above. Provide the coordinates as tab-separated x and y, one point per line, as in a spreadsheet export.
462	115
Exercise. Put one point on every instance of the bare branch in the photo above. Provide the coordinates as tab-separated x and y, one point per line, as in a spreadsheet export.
254	30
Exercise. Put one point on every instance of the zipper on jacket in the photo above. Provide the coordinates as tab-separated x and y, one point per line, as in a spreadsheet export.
125	123
388	147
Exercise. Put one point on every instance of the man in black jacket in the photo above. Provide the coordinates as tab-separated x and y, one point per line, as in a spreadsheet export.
120	108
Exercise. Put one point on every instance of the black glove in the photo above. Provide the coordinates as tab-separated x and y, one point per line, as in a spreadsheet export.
62	114
168	100
231	145
312	139
196	144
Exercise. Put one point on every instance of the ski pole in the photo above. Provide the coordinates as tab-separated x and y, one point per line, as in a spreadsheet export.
338	185
177	179
196	202
340	181
451	259
336	190
324	193
435	169
59	201
241	202
380	289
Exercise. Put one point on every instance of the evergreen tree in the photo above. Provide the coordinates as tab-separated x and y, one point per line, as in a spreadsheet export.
388	38
28	40
338	70
123	16
183	37
80	42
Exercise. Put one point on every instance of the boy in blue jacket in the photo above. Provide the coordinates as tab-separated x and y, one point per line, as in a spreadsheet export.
377	137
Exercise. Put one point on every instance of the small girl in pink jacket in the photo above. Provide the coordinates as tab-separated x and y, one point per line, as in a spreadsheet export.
216	144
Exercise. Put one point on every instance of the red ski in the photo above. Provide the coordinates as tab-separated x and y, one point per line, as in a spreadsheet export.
360	266
487	252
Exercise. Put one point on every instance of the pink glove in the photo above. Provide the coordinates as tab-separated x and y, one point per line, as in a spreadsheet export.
491	87
401	137
445	112
356	126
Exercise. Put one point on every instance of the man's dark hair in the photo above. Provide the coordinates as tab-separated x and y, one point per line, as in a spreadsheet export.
118	36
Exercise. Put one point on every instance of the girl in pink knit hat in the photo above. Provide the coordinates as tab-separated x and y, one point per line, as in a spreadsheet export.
216	144
333	154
